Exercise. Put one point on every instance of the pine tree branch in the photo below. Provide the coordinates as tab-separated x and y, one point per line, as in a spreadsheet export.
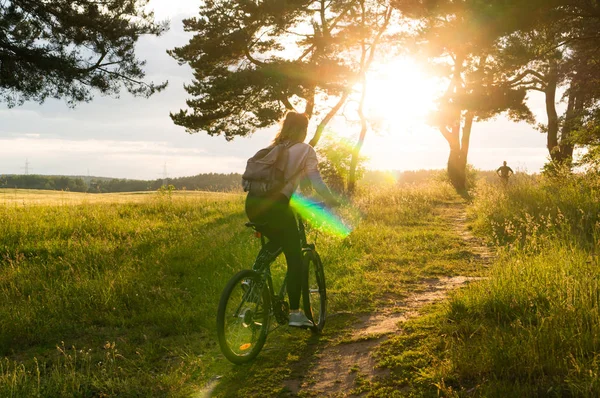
124	77
252	59
517	79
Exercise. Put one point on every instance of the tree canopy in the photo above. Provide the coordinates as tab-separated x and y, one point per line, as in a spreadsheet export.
493	52
559	50
254	60
70	49
458	41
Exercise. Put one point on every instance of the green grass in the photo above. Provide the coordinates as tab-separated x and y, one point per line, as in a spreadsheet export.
532	328
534	210
116	295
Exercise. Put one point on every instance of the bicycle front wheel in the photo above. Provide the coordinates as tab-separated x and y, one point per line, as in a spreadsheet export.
243	317
313	290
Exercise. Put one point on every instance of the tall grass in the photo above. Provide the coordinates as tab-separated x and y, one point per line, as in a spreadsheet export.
535	323
117	297
140	278
533	209
532	328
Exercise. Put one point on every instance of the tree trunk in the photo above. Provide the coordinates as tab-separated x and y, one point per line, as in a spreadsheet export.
466	135
559	145
572	118
565	148
354	161
359	143
550	93
457	170
459	152
451	130
332	112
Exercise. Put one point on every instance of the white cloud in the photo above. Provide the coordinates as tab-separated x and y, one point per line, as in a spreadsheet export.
169	8
123	159
61	147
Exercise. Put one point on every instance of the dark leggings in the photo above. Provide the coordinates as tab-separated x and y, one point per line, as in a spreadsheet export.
281	229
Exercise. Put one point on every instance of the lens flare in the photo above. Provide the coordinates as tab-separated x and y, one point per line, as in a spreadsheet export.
318	217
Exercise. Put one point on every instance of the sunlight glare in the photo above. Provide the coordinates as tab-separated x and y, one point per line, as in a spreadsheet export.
400	96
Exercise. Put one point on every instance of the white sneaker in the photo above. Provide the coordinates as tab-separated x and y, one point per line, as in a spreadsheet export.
299	320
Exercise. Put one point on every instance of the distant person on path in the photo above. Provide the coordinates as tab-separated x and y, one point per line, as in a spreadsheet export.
504	172
274	210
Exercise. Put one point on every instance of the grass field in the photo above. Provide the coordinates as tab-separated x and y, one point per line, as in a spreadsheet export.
115	295
30	197
532	328
112	295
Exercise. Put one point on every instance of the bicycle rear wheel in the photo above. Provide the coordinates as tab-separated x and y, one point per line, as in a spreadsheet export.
243	317
313	290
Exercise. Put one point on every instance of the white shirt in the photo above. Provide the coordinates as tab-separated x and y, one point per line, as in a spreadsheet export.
302	163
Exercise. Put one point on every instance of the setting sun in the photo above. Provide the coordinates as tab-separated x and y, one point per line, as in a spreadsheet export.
400	95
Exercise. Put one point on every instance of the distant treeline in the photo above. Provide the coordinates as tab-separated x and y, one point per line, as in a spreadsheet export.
205	182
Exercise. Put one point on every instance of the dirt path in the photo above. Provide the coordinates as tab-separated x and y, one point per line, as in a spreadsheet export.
341	362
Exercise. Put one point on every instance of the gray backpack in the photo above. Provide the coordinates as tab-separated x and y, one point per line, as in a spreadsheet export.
265	171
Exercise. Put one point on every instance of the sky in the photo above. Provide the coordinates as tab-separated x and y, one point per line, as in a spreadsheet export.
135	137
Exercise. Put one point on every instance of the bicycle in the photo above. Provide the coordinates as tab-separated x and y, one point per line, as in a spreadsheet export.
248	302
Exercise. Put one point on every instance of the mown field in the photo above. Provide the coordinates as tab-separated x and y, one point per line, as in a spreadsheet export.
115	295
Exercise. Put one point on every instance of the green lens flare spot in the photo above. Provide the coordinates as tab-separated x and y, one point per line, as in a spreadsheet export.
321	218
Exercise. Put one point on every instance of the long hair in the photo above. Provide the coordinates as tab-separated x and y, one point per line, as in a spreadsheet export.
293	128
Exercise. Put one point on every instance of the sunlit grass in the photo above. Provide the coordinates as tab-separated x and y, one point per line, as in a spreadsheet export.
116	294
25	197
143	275
532	328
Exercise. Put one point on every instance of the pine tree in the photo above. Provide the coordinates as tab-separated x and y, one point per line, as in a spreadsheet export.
255	60
69	49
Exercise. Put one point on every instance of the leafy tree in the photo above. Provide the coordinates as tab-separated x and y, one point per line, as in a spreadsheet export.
253	61
457	38
538	62
335	158
556	44
582	117
71	48
372	22
259	59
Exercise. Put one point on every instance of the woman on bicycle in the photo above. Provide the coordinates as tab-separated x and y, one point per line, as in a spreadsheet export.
274	211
